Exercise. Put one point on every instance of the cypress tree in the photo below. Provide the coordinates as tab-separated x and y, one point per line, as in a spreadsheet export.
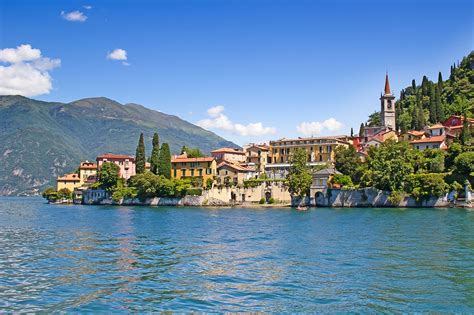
164	165
433	109
414	118
352	132
424	86
361	130
155	154
440	82
439	106
140	156
413	86
420	117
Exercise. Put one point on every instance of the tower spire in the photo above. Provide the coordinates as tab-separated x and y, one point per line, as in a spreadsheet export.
387	85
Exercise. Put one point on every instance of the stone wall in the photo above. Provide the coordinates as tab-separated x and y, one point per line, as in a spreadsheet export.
368	197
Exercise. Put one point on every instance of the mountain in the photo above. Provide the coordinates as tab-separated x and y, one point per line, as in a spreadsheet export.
41	140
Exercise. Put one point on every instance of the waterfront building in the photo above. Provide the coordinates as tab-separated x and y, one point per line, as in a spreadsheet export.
322	179
233	173
126	163
257	156
87	172
229	154
320	150
69	181
200	167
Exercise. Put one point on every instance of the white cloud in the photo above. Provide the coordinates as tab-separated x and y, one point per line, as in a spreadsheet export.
316	127
87	7
25	72
118	54
74	16
218	120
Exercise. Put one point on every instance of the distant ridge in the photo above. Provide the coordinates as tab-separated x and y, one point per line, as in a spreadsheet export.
41	140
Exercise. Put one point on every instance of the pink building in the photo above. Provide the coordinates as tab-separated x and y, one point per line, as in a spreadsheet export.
229	154
125	162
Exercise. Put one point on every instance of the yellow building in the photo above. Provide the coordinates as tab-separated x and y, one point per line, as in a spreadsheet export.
319	149
201	167
69	181
232	173
87	171
412	135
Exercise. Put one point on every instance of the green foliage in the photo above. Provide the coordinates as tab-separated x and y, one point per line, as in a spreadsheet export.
262	201
155	154
108	176
192	153
343	180
194	192
437	100
164	165
453	151
361	130
122	192
255	182
456	187
435	160
299	177
149	185
209	183
140	158
374	119
464	163
48	192
389	165
347	160
395	197
271	200
423	186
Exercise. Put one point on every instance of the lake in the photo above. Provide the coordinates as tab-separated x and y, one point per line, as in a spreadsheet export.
142	259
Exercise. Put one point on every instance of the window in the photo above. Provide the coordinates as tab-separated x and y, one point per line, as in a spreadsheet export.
200	172
174	173
183	172
192	172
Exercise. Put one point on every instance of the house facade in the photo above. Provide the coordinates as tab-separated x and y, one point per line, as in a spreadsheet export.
87	171
232	173
435	142
201	167
126	163
229	154
69	181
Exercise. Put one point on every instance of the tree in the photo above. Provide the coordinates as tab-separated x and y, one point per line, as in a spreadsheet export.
155	154
109	174
299	177
389	165
374	119
439	105
425	86
352	132
361	130
347	160
140	158
464	163
421	122
164	163
433	109
413	85
440	81
191	153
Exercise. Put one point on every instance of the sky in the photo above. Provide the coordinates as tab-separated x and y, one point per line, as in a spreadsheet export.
250	71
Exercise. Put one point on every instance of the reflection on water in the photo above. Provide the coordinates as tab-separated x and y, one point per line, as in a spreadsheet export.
138	259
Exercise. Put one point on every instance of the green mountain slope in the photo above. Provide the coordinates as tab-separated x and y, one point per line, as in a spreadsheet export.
41	140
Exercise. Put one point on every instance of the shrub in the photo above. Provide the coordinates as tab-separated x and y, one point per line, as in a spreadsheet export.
423	186
64	194
271	200
209	183
262	201
194	191
343	180
464	163
395	197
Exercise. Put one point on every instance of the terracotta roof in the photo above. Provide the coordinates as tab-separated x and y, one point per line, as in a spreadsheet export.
88	166
72	177
234	166
430	139
116	157
177	159
436	126
415	132
387	85
229	150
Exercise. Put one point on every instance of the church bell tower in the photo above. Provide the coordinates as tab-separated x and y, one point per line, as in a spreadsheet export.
387	102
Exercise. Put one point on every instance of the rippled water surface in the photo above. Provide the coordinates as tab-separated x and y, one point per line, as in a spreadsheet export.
138	259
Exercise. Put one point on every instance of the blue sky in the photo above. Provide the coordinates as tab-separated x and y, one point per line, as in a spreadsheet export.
248	70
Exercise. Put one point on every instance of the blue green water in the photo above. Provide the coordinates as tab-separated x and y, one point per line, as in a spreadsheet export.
139	259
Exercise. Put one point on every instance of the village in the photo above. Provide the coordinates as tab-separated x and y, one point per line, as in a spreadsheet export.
239	172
